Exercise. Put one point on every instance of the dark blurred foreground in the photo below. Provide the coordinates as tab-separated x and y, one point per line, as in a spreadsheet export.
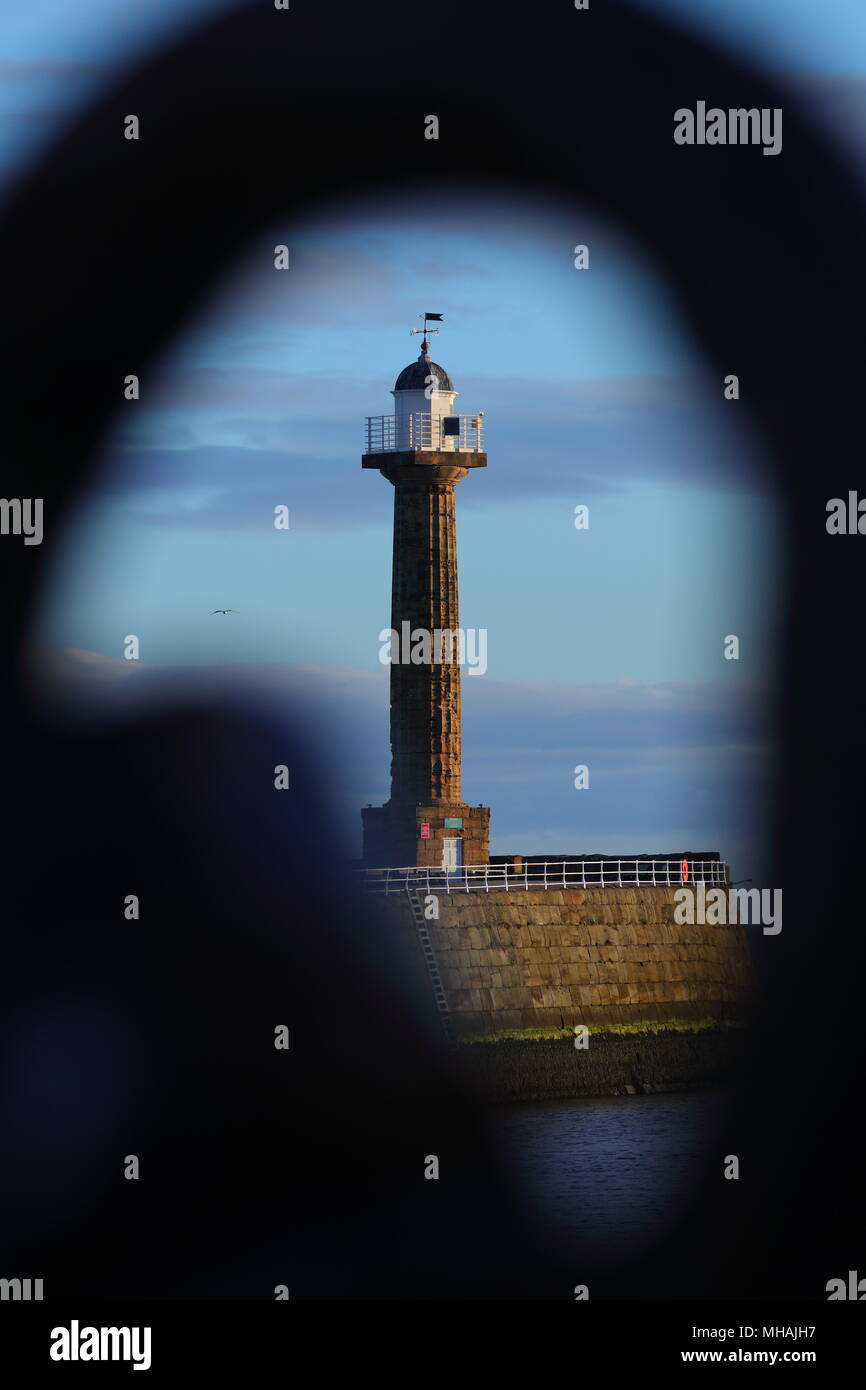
155	1037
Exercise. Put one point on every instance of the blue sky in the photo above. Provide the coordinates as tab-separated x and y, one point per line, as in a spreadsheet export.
591	393
605	646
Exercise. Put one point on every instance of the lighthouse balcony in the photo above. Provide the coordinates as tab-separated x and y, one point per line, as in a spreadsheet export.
391	434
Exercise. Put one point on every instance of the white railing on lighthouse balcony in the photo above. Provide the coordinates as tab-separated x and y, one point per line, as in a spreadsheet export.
580	873
387	434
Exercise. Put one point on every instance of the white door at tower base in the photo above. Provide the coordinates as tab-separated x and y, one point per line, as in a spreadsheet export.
452	853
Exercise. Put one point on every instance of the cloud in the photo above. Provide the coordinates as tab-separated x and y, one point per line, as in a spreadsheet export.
622	715
77	661
37	121
94	675
246	388
38	69
614	430
291	439
671	766
236	488
335	285
636	726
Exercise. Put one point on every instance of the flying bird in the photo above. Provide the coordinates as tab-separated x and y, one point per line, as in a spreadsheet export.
224	610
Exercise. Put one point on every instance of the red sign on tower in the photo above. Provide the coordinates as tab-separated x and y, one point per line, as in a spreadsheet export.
425	830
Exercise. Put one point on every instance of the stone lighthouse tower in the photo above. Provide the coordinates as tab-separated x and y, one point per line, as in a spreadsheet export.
423	449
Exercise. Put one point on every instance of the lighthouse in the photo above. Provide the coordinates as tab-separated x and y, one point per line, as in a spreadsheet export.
424	449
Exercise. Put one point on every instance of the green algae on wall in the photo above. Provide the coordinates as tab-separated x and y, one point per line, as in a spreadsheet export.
614	1064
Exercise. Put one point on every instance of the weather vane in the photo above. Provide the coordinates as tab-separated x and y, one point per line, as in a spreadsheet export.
428	318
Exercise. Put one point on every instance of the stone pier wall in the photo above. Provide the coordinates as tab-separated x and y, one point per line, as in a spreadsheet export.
552	958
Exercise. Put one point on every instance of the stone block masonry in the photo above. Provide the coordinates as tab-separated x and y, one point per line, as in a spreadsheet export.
550	958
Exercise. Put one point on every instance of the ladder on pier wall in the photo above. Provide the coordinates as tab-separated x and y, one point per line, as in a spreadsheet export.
414	896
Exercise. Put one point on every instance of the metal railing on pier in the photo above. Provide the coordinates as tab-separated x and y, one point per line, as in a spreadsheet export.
576	873
387	434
